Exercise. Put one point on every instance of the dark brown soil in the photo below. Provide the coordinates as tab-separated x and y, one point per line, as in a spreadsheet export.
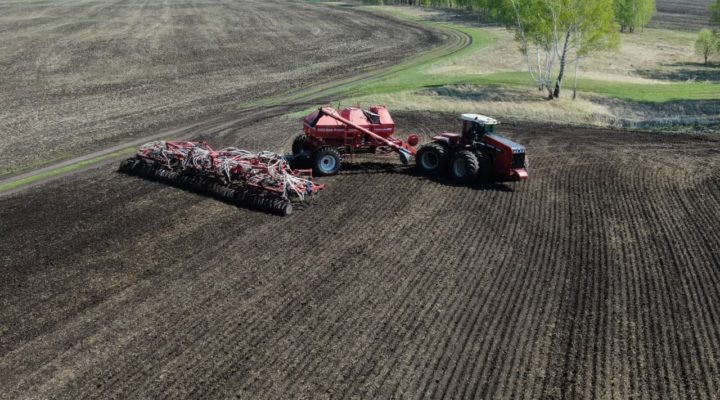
683	14
597	278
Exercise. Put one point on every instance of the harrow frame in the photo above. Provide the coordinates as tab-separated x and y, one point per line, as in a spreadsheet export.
262	181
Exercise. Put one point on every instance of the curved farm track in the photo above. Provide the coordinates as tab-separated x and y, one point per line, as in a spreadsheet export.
81	76
597	278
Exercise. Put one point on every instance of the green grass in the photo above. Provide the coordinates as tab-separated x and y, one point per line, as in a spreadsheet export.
63	170
645	93
657	93
416	77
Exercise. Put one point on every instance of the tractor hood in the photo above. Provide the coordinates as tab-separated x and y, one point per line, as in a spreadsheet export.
515	147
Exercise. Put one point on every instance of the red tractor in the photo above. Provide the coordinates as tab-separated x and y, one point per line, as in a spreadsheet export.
328	134
476	153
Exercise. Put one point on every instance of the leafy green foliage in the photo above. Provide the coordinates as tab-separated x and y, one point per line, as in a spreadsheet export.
715	14
562	30
633	14
707	44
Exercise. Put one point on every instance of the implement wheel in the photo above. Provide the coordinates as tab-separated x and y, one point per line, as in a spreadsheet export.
464	166
432	158
299	143
326	162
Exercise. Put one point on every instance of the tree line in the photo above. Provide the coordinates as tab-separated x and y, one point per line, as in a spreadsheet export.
708	41
555	35
629	14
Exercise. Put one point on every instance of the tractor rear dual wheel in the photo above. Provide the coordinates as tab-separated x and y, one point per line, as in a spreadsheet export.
486	166
464	166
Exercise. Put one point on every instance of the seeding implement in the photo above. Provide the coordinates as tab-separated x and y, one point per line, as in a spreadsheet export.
262	181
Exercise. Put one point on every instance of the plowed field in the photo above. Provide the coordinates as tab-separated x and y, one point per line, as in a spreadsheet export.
597	278
682	14
83	75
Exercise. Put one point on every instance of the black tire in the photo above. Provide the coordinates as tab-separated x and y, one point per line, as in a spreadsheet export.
299	143
464	166
326	162
432	159
486	167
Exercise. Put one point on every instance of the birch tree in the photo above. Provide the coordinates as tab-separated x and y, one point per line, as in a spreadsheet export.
562	31
707	44
633	14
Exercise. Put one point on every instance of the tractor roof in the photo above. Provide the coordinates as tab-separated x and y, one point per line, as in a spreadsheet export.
481	119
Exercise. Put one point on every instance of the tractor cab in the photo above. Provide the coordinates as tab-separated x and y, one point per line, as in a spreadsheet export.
476	126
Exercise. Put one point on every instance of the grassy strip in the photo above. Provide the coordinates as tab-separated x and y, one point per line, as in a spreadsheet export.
63	170
9	172
642	93
415	78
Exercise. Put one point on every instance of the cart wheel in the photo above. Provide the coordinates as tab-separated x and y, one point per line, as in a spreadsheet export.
464	166
299	143
327	162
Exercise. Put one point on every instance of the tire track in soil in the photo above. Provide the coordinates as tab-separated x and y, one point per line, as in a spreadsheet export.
526	312
420	283
323	342
687	245
448	291
682	347
685	256
404	243
526	297
400	390
506	318
286	306
437	324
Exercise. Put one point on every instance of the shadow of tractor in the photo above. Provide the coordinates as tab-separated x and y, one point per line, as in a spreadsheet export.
370	167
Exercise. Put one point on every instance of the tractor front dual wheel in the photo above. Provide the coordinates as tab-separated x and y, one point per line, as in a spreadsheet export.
326	162
432	159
